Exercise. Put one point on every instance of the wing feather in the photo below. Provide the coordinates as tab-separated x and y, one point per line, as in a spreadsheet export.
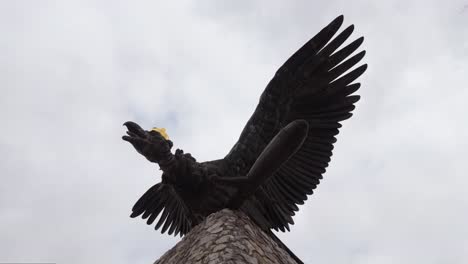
314	84
175	216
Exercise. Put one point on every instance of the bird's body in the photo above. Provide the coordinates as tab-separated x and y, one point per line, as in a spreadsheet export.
281	154
196	188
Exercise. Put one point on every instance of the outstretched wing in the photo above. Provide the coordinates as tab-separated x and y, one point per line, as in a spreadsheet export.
175	218
314	85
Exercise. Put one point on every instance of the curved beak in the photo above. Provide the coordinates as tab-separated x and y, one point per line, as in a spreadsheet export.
134	129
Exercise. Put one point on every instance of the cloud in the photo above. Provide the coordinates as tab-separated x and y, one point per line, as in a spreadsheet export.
73	72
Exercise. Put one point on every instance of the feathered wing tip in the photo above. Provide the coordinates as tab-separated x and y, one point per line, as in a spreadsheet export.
163	201
315	44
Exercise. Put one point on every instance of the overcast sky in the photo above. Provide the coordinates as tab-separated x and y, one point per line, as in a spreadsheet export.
71	72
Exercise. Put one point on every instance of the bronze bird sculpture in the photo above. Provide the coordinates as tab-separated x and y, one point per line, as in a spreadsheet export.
281	154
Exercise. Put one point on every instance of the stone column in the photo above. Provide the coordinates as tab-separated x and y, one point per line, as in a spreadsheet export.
226	237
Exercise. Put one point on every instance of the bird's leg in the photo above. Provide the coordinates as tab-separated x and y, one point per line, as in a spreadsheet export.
279	150
237	182
231	180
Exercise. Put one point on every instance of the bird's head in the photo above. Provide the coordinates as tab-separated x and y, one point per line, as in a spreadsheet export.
154	144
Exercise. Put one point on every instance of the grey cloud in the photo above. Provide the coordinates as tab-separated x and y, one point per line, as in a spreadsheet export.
73	72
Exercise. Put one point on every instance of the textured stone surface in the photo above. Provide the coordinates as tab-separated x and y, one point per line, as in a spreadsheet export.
226	237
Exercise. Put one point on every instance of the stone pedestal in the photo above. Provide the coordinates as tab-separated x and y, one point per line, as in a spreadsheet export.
226	237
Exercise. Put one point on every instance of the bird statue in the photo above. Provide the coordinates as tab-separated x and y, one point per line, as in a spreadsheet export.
281	154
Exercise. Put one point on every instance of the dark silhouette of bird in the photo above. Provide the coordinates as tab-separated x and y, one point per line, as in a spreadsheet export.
281	154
